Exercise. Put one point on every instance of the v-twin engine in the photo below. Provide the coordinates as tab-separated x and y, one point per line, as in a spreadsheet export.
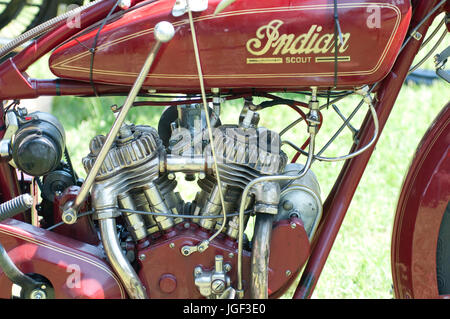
136	204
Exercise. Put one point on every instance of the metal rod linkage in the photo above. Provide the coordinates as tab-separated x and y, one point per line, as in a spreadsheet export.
164	32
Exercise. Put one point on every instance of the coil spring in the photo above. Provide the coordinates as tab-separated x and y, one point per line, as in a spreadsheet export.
42	28
15	206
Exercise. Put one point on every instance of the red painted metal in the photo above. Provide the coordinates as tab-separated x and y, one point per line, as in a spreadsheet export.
83	230
61	33
447	11
62	87
338	201
8	182
50	254
422	203
163	270
9	186
59	259
16	84
252	44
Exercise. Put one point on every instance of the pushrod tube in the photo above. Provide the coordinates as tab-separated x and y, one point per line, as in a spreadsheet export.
340	197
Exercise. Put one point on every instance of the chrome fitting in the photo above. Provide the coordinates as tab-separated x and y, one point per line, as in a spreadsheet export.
69	215
212	284
365	93
125	4
164	31
182	6
5	148
105	213
188	250
267	197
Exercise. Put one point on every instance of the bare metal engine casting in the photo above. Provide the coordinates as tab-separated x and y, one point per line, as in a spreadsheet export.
138	175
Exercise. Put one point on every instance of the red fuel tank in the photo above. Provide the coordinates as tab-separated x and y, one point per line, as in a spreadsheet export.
264	44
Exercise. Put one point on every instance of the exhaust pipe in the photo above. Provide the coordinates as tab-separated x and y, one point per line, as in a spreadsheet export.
118	261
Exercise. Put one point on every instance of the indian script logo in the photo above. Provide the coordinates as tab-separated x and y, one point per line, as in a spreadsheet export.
269	40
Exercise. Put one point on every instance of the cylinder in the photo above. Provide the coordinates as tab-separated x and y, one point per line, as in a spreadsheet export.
158	205
135	223
142	204
212	207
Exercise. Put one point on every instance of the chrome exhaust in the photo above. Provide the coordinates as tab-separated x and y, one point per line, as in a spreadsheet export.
118	261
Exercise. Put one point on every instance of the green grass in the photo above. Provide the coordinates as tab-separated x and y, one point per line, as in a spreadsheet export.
359	263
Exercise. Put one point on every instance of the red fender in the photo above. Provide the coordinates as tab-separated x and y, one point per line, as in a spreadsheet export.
422	203
58	258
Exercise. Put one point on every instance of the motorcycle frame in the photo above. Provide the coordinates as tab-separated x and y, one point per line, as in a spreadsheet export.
16	84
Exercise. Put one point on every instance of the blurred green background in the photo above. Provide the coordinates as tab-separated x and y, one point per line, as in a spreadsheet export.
359	263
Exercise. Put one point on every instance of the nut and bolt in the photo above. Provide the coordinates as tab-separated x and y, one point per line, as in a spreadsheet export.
185	251
69	216
142	257
198	271
288	273
218	286
172	245
203	246
227	267
417	35
38	294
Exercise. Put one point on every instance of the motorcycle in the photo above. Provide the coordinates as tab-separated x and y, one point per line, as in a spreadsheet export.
124	231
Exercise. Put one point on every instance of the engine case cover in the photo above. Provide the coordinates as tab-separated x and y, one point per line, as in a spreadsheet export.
167	273
264	44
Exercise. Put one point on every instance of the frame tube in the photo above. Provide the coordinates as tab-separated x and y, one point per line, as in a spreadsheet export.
340	197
